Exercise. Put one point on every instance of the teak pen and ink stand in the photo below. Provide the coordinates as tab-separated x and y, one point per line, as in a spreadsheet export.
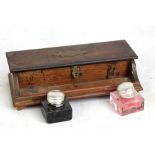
79	71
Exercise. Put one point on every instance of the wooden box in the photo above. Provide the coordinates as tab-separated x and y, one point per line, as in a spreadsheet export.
80	71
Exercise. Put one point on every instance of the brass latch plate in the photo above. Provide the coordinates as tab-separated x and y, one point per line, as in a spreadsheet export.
75	71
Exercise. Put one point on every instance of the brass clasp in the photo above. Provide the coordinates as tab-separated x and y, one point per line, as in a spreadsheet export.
75	71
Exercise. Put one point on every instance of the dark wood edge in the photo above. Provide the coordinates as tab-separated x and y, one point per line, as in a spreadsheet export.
12	88
26	103
79	63
133	73
16	84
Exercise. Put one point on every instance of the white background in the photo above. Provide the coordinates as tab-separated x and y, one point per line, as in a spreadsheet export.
95	127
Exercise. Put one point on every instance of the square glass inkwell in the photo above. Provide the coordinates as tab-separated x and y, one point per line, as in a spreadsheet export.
56	107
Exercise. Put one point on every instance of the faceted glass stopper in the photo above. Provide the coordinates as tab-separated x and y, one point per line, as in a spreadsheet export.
126	90
55	98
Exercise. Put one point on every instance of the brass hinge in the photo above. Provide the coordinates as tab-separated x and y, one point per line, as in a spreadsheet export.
75	72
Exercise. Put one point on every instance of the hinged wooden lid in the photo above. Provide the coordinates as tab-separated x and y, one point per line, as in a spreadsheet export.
69	55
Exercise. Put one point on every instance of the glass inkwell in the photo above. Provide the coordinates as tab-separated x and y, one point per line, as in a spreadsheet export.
56	107
126	99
